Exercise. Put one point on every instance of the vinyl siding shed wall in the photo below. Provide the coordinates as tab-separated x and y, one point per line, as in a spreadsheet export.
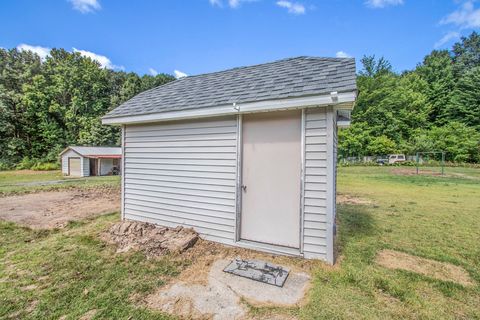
183	173
315	212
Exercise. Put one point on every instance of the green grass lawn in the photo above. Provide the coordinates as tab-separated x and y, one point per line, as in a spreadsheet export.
25	181
48	274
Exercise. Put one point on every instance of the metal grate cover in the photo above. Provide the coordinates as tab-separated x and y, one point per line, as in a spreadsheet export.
259	271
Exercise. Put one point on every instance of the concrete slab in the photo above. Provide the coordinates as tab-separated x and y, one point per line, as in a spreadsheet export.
221	297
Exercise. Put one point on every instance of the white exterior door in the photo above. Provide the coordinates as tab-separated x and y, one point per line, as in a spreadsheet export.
271	171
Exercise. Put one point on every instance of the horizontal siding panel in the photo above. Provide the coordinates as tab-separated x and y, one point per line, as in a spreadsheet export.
315	240
147	206
190	174
315	202
316	163
316	139
213	233
189	162
181	167
183	137
310	178
165	133
315	210
176	201
174	183
315	132
173	155
183	125
185	191
315	233
311	217
316	155
177	144
316	147
315	115
315	124
314	249
218	223
179	196
315	194
313	186
316	171
224	149
192	180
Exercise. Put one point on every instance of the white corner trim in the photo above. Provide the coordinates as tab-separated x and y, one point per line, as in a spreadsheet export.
346	99
330	203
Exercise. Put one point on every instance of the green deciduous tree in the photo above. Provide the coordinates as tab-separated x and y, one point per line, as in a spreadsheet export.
45	106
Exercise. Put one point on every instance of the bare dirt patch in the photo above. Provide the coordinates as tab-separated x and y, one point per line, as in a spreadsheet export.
348	199
54	209
439	270
411	171
153	240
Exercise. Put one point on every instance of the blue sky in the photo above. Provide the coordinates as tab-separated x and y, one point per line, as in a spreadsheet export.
198	36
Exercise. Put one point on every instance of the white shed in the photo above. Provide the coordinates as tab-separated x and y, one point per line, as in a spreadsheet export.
91	161
246	156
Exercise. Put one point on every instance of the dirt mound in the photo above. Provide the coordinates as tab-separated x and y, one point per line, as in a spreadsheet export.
435	269
153	240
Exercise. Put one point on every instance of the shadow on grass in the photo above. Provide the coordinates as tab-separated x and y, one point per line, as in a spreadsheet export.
355	227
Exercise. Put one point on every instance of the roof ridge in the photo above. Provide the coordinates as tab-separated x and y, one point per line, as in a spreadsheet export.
265	64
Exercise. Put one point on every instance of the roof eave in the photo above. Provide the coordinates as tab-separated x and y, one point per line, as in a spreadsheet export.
345	100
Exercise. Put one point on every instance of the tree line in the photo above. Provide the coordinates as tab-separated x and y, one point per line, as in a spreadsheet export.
435	107
48	105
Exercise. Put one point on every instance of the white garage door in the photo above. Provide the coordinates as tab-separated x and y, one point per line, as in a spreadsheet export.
74	167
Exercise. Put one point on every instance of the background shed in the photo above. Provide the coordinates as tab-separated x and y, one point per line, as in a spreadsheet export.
91	161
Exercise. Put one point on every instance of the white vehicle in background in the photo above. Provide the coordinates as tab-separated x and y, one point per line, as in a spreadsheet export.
396	158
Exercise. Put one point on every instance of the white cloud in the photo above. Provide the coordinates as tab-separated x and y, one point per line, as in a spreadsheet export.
43	52
342	54
85	6
452	35
231	3
465	17
152	71
292	7
383	3
104	61
179	74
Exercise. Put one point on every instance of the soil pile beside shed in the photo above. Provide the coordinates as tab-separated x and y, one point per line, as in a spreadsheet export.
151	239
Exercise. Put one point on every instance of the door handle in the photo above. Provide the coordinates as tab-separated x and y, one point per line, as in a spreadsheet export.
244	188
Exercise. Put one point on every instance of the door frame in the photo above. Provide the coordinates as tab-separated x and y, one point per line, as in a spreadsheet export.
238	189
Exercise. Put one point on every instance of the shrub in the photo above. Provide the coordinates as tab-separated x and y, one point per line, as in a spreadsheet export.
45	166
5	165
25	164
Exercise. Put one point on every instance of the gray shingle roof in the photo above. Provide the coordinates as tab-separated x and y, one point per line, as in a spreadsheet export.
294	77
